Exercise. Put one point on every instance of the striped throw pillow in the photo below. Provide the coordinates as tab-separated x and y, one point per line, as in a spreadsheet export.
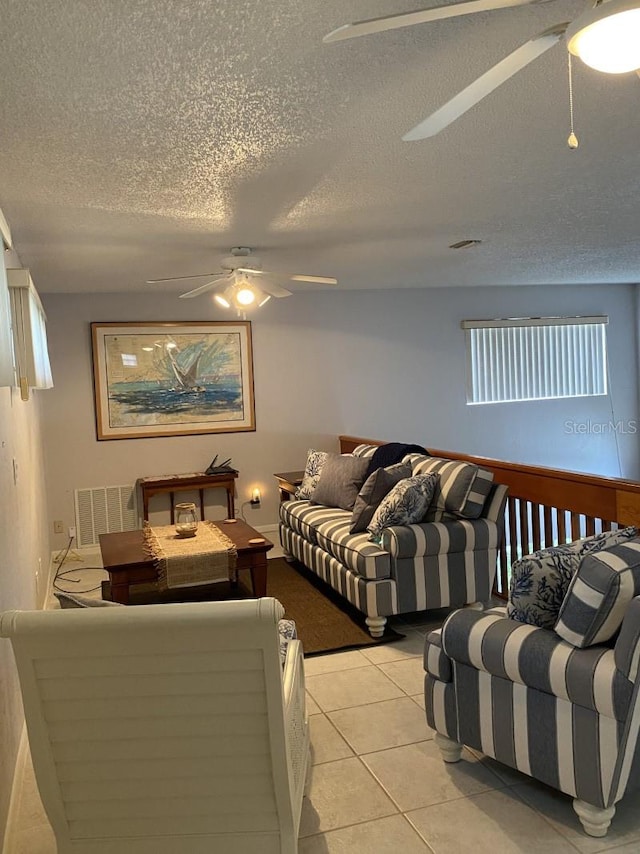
365	451
540	581
599	594
461	491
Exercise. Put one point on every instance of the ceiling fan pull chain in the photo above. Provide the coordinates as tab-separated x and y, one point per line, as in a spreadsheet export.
572	141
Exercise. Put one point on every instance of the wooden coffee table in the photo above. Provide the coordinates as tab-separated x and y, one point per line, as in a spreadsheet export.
125	559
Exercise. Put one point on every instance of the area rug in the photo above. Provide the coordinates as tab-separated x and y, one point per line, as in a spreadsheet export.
324	620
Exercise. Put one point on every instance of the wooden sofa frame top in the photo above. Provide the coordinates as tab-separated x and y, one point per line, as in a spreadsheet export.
545	506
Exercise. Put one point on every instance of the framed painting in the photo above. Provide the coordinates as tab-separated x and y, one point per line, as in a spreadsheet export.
172	379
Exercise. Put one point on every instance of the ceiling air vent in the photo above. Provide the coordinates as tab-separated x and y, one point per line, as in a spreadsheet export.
465	244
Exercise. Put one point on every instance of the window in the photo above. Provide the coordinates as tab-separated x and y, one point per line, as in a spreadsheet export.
29	333
535	358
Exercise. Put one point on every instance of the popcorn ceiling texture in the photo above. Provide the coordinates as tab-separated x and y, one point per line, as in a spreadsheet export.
145	139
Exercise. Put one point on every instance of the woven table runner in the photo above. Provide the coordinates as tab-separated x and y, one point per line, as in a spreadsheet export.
188	561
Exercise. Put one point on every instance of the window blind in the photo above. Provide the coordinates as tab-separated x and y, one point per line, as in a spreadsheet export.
29	333
535	358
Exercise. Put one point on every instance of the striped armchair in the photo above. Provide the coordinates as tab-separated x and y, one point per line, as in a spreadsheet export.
566	716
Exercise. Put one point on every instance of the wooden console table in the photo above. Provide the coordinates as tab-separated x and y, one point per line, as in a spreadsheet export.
151	486
288	482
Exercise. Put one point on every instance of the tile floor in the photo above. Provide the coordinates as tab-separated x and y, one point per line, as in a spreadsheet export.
378	783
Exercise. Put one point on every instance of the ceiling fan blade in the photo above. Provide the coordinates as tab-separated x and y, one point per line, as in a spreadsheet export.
319	280
180	278
486	84
423	16
274	290
209	286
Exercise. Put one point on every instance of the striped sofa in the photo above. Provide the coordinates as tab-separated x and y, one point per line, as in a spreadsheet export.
446	561
565	715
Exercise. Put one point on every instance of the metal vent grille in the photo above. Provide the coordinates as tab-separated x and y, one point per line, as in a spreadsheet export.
103	510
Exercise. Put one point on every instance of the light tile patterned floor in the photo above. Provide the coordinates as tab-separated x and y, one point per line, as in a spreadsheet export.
379	785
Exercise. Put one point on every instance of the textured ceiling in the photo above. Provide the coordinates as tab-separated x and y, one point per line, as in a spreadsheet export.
144	139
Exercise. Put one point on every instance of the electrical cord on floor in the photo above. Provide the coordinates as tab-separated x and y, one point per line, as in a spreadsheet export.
65	575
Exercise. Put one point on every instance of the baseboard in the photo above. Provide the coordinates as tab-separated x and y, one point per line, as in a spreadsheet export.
267	529
14	800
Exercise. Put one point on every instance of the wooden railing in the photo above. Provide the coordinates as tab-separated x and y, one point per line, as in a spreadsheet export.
546	506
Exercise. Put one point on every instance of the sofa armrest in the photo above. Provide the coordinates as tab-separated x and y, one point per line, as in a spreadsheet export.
436	662
296	723
539	659
434	538
627	648
493	509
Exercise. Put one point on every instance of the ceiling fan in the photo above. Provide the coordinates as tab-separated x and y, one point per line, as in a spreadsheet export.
234	286
606	37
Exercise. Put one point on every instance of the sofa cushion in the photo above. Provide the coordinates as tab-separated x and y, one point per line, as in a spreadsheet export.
341	478
540	581
405	504
462	488
599	594
374	489
440	538
355	551
537	658
312	470
366	451
303	517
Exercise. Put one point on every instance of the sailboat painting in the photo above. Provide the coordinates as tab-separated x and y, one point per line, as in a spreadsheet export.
172	379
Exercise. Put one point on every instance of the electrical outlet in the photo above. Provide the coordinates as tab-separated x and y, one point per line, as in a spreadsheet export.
58	527
72	532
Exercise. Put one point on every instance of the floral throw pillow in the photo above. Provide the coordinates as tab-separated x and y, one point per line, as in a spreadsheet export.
406	504
312	471
540	581
374	489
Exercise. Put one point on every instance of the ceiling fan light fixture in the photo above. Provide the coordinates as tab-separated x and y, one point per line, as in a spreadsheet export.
607	38
222	300
245	295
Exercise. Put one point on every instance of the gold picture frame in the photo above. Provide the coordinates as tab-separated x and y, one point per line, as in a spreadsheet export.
172	379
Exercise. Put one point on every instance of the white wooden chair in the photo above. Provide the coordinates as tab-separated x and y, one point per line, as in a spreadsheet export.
164	729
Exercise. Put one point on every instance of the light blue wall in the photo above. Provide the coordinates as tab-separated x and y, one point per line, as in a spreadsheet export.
396	364
381	364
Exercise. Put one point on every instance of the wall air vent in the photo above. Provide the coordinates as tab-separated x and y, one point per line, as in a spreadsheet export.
103	510
465	244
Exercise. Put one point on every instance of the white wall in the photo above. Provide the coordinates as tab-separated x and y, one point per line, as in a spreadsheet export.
384	364
24	549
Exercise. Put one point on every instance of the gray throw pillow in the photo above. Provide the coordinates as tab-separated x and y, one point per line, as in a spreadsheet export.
75	600
374	489
340	481
406	504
